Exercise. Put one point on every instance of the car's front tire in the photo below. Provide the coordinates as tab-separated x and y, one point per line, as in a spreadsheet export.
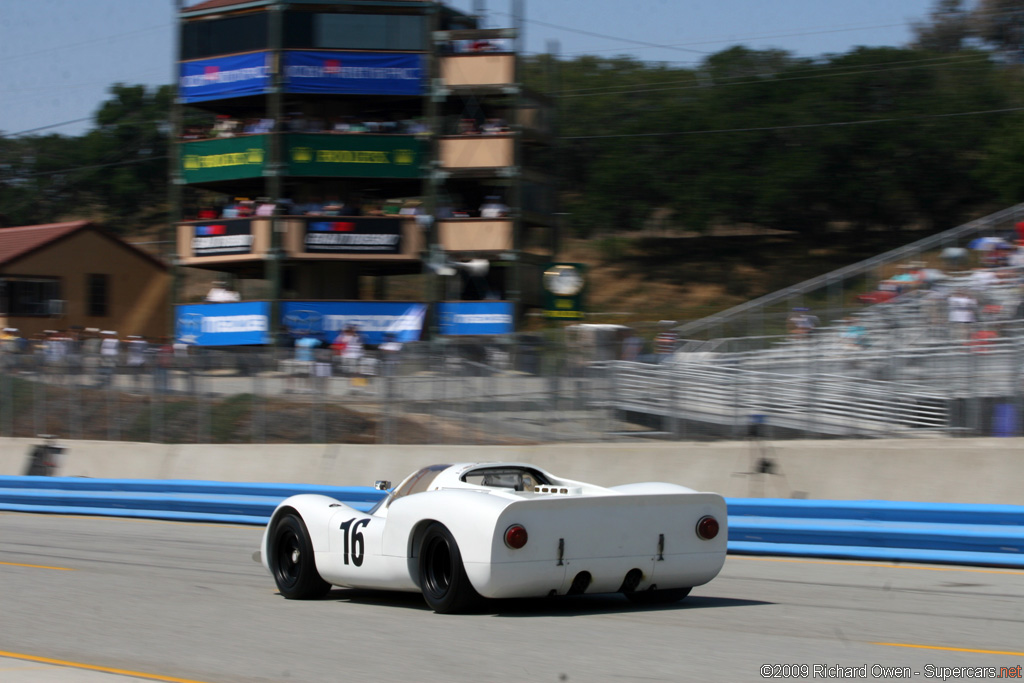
446	588
291	560
658	597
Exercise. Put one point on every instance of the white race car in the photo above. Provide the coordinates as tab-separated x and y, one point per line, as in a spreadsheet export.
500	530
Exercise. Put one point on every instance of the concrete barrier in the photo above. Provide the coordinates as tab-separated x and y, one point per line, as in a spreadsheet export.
982	470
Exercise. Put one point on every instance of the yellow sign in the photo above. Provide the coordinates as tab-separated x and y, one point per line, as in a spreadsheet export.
250	157
347	156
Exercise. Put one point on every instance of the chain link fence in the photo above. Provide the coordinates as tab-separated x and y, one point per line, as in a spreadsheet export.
900	376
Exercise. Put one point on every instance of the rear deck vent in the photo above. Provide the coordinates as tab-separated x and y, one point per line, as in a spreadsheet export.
561	490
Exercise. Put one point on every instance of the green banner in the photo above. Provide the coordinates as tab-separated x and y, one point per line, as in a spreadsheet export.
354	155
224	159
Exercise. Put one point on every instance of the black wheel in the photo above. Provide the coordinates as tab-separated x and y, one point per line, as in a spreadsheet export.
291	561
443	579
658	597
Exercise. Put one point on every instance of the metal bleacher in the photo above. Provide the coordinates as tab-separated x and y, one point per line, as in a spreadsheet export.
893	369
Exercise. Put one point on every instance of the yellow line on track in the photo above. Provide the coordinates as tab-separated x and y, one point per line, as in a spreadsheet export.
93	667
953	649
879	564
36	566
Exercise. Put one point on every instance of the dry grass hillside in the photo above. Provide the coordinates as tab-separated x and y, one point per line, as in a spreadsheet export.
645	278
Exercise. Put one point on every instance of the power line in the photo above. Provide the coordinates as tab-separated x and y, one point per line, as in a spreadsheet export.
816	73
834	124
52	125
89	168
607	37
742	39
92	41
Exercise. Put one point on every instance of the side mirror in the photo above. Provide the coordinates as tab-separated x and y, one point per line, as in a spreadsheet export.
382	484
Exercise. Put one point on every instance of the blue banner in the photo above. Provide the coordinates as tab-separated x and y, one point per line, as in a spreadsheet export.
373	319
354	73
222	77
475	317
231	324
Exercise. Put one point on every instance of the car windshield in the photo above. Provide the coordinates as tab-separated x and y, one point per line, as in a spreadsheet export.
516	478
418	482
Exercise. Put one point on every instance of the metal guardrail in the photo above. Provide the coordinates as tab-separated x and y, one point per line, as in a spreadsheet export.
983	535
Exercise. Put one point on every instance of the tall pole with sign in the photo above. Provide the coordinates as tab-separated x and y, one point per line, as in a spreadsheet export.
175	186
275	168
565	285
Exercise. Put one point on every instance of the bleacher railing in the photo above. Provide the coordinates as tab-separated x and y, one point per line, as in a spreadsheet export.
832	290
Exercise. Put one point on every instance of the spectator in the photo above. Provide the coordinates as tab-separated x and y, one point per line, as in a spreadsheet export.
801	322
632	346
493	207
494	126
110	352
135	358
665	343
349	346
162	367
390	349
411	207
220	293
302	373
9	346
304	348
854	334
265	207
55	353
225	127
963	313
982	278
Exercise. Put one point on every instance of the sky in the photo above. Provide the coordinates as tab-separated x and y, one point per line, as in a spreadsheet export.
59	57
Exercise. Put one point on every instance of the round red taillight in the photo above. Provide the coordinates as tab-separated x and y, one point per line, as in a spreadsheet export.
707	527
515	536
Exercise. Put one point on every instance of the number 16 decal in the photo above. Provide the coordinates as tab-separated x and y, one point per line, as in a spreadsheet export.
353	541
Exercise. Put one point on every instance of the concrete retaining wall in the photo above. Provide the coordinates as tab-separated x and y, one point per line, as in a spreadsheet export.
988	470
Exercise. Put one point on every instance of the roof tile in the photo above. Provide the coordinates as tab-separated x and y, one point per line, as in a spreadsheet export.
15	242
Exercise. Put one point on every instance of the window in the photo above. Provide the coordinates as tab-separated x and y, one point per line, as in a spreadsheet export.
418	482
516	478
28	296
211	37
352	31
97	289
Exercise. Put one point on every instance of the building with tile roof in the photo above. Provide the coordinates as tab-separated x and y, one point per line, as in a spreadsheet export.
75	274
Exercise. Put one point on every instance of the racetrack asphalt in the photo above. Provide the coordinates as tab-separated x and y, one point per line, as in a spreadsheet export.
167	601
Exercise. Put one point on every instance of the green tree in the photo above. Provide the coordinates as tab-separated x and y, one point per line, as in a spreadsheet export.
948	28
129	146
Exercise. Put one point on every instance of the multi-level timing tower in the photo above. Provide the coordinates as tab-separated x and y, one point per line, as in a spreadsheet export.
326	146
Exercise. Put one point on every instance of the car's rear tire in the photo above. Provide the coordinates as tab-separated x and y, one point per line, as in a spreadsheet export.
446	588
658	597
291	561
